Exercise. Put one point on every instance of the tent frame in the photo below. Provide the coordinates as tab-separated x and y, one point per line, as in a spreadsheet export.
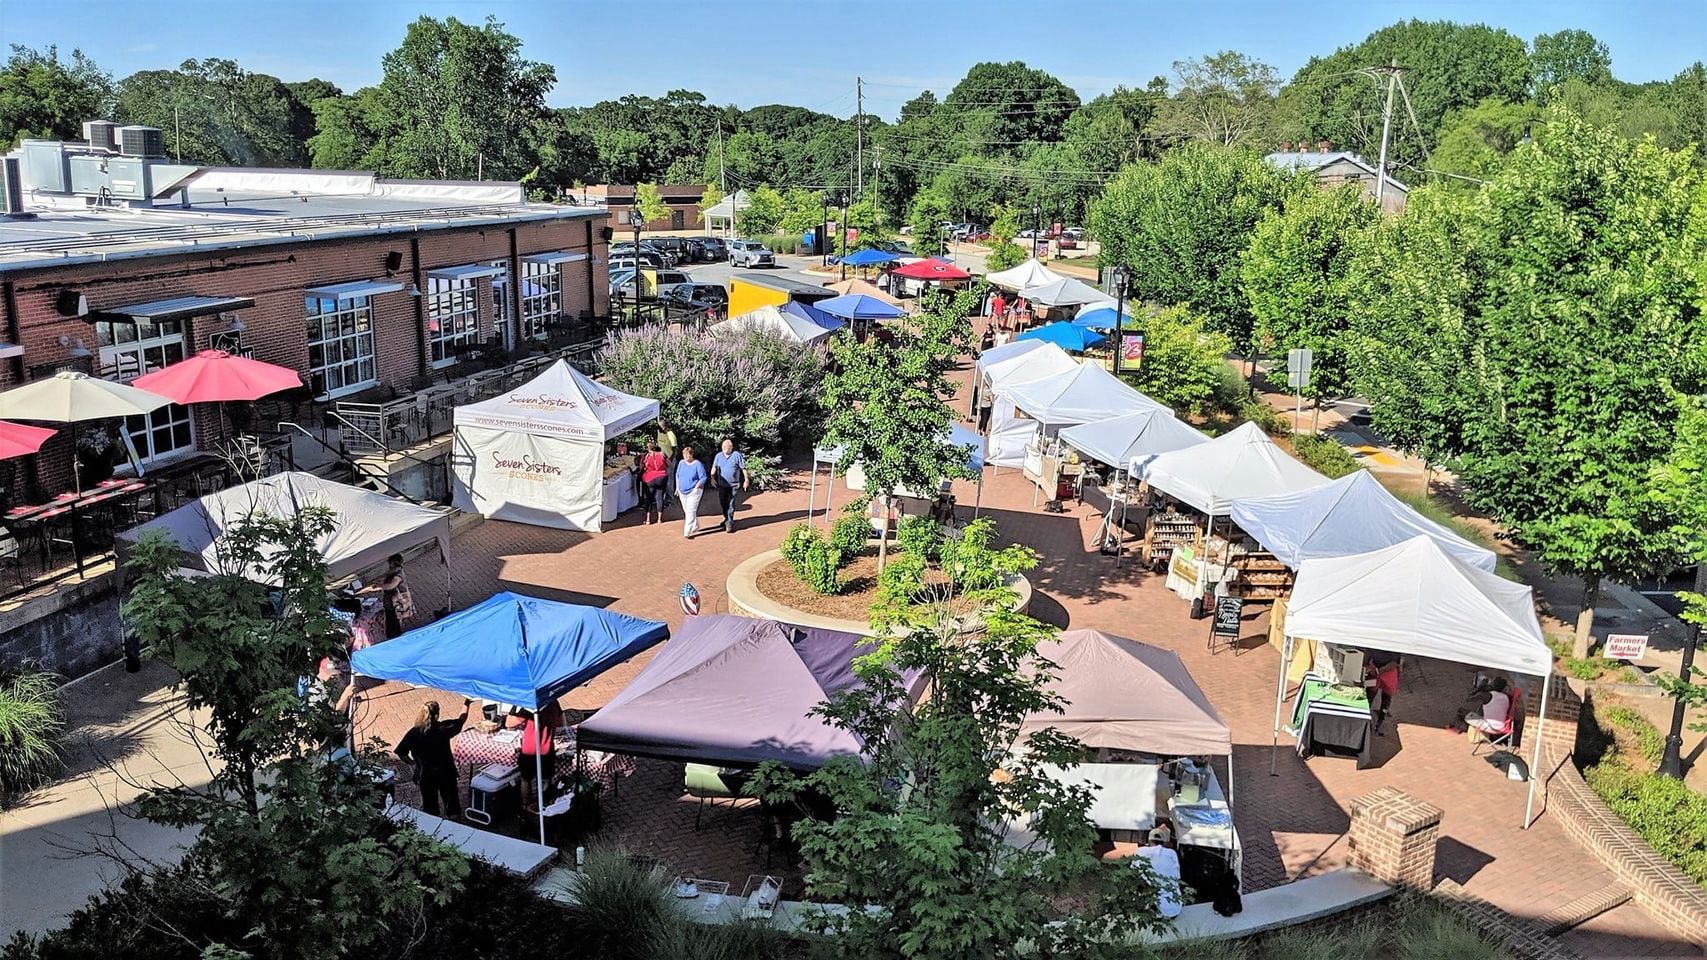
1287	650
830	488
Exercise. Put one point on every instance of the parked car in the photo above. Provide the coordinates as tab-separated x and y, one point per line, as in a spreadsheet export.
900	248
748	253
627	261
681	248
700	298
713	248
622	283
661	256
659	283
1072	238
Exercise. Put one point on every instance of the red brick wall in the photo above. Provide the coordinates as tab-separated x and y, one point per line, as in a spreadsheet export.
276	277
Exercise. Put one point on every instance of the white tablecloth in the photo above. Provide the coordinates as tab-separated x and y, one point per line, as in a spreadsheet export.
1124	794
1206	823
619	495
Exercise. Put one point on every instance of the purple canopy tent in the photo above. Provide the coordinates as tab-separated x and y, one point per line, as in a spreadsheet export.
737	691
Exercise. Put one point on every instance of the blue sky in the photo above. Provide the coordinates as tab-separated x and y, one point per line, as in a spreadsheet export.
807	52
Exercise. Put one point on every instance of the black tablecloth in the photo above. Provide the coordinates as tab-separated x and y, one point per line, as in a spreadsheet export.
1336	734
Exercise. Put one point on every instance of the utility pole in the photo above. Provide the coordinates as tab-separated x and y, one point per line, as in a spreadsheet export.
722	174
859	137
1391	71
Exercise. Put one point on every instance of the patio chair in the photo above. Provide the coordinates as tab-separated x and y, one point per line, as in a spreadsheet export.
1501	737
711	784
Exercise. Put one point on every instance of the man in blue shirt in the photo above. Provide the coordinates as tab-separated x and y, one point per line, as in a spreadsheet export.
690	486
729	476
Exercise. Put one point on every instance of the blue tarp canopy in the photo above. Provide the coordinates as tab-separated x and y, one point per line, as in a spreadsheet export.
868	257
511	649
858	306
811	314
1064	334
1099	318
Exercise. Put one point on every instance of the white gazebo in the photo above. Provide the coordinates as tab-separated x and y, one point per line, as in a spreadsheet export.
720	216
536	454
1064	292
1016	362
1416	597
1241	463
1040	408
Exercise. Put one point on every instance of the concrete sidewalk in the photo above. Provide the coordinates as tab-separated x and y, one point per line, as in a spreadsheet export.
128	732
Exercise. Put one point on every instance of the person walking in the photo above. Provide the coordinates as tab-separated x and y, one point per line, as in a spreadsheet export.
690	486
427	746
666	440
655	475
729	476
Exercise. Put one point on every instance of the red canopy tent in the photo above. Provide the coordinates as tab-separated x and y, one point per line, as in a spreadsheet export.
931	270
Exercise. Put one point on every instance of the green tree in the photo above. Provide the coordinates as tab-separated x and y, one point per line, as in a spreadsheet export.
279	825
1002	106
1225	98
1004	253
652	206
762	214
712	197
1181	227
1475	141
1454	66
44	97
930	211
1296	273
344	134
214	112
887	403
748	157
918	834
1183	359
458	100
804	210
1569	55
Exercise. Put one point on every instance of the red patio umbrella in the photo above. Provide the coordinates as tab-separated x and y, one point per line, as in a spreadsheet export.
931	270
17	440
214	376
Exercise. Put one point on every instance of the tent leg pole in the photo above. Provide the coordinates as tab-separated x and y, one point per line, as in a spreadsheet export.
812	494
978	504
1279	697
539	773
1535	761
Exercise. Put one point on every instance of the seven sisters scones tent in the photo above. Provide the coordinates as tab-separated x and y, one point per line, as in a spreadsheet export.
537	454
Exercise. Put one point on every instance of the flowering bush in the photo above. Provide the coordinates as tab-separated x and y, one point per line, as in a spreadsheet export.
752	387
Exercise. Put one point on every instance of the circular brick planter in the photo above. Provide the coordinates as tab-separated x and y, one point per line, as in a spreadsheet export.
746	600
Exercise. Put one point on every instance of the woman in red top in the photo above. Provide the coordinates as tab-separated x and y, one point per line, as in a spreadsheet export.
654	473
539	739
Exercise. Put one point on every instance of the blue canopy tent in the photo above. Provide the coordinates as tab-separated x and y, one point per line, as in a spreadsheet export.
812	314
1100	318
868	257
512	649
1064	334
858	306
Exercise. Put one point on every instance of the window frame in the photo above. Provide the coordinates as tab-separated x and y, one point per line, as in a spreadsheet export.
360	308
462	307
541	309
170	339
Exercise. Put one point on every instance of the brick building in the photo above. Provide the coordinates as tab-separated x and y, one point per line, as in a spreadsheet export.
1333	168
683	200
368	287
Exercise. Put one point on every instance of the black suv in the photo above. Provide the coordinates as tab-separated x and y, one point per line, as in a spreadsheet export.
713	248
680	248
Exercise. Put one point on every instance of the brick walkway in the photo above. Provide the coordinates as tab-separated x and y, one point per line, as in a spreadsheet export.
1292	824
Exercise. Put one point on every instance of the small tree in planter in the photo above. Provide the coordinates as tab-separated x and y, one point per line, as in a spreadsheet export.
888	406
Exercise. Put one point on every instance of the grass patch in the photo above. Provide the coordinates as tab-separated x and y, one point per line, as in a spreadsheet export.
1582	668
1404	928
1438	512
32	723
1325	455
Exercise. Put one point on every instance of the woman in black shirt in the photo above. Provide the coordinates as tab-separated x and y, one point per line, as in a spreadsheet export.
427	746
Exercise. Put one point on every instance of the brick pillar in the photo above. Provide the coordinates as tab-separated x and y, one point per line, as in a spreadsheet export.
1564	708
1393	838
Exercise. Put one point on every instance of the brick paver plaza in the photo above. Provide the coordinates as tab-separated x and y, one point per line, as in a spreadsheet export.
1292	824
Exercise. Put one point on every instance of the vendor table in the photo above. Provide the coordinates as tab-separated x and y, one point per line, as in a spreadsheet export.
1123	797
619	492
474	749
1330	719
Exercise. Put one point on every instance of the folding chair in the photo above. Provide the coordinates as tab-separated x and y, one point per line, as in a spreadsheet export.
1499	738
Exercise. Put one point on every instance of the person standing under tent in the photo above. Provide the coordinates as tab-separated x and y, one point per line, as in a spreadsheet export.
394	592
539	747
729	476
655	476
998	311
690	486
1022	314
427	746
1380	683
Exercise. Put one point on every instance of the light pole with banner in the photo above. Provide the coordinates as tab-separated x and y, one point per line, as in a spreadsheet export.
1036	227
637	219
1121	277
842	235
1298	377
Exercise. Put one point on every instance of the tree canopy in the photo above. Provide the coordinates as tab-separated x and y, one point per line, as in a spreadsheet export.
44	97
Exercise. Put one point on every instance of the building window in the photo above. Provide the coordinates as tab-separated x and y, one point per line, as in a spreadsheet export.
340	344
501	296
453	318
129	350
542	297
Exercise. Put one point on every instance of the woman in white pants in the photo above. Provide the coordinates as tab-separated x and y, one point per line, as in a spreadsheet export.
690	486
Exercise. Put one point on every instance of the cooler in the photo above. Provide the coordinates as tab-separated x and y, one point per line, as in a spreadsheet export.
493	793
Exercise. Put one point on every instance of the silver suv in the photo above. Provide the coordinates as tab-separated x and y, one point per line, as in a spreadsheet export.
746	253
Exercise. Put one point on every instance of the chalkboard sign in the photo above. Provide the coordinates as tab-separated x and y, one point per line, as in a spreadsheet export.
1228	612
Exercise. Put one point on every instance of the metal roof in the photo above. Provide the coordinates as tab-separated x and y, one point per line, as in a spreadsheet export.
222	220
1315	161
176	308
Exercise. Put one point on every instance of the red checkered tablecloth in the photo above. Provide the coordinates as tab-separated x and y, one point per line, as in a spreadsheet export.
477	749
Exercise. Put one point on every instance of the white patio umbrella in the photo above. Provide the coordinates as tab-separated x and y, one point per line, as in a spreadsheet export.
72	397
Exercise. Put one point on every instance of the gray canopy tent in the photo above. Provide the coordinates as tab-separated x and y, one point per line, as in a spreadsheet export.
369	526
738	691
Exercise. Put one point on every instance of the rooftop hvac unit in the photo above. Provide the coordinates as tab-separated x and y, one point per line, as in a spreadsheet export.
142	142
101	134
12	190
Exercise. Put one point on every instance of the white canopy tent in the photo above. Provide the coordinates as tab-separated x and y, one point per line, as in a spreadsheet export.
1016	362
1132	438
1354	514
773	321
1031	273
956	435
1086	393
1239	464
1065	292
1417	598
536	454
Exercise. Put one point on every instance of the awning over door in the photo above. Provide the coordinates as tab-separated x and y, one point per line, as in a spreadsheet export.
553	259
177	308
468	271
356	288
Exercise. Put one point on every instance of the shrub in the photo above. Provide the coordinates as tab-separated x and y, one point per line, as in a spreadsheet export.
821	569
851	532
796	543
32	720
1231	390
1326	455
1666	813
782	243
1264	416
749	386
1183	358
1642	734
920	535
620	904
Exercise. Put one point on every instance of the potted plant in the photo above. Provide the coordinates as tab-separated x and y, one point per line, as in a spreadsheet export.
96	455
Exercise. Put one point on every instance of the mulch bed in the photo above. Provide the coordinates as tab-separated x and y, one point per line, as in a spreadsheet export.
778	582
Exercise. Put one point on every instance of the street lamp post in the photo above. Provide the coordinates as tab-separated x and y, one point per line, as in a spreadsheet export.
1121	278
637	219
1036	227
842	234
824	238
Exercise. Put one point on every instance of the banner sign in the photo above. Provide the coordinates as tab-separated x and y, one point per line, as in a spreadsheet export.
1626	646
1132	350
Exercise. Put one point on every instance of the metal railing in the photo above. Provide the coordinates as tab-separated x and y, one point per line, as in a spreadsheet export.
418	417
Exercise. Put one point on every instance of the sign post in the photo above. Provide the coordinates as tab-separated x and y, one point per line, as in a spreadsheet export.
1298	377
